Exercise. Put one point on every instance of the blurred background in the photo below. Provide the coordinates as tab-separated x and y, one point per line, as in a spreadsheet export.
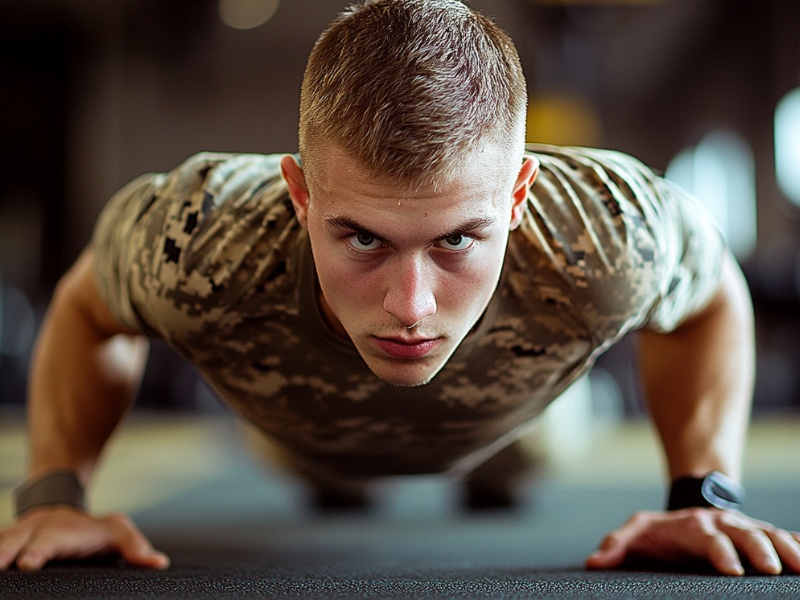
96	92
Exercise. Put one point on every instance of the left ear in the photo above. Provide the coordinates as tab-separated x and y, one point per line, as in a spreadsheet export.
527	175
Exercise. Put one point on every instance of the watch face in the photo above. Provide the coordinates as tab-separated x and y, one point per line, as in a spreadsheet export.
721	491
714	490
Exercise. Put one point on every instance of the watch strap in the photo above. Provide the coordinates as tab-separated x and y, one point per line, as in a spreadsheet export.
715	490
56	487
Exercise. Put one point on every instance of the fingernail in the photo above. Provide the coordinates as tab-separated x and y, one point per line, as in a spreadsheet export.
773	566
27	564
736	569
596	555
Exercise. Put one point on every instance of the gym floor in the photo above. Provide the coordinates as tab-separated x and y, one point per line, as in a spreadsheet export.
237	528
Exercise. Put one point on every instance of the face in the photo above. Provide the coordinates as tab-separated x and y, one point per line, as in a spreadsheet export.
405	276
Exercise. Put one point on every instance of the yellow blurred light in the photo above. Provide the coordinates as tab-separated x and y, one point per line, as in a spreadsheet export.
563	120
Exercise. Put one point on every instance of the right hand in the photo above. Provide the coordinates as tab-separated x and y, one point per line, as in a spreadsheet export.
55	533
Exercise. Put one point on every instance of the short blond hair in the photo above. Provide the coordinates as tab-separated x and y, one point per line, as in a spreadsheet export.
409	87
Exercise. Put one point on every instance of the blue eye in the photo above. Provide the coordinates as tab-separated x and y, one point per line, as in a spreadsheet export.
364	242
457	241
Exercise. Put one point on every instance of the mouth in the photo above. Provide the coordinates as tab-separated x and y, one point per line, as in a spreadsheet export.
406	348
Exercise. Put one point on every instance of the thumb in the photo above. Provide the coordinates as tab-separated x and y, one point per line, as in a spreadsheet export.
134	547
144	555
610	554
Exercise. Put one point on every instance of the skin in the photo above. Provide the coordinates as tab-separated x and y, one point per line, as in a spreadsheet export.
405	265
698	381
76	400
388	261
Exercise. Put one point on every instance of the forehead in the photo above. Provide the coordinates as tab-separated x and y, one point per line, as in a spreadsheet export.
483	183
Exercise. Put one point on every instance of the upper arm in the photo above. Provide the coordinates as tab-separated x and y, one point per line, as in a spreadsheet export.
79	293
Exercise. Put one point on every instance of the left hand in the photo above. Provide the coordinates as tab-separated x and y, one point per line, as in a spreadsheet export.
706	534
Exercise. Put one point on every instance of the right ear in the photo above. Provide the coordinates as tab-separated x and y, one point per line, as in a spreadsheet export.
298	190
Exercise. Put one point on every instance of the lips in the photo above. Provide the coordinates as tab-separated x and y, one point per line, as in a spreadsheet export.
406	349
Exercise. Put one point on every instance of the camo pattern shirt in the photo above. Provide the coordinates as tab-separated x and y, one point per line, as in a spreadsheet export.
211	258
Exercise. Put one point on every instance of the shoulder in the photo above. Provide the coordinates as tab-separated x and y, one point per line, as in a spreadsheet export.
599	169
222	175
595	220
626	240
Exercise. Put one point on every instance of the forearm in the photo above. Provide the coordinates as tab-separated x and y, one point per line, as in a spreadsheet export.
83	378
698	381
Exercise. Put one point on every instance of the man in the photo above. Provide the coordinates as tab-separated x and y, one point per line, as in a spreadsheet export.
405	300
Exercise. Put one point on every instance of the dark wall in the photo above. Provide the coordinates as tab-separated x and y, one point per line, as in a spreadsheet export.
95	93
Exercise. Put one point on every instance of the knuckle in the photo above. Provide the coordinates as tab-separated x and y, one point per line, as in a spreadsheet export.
610	541
699	522
641	517
697	513
119	519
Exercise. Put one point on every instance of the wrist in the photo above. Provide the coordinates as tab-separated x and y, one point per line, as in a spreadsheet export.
714	490
50	489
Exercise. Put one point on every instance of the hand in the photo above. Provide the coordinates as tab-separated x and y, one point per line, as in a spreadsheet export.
713	535
47	534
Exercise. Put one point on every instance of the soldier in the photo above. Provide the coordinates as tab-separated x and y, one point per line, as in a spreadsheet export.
407	299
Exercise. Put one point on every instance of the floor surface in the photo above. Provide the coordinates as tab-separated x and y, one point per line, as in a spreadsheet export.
236	529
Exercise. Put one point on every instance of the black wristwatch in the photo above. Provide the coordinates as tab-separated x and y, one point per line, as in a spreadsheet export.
715	490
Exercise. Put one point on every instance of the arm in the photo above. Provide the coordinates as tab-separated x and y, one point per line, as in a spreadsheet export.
698	381
84	374
83	377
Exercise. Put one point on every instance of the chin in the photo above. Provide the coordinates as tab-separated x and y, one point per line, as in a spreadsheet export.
404	375
408	384
398	380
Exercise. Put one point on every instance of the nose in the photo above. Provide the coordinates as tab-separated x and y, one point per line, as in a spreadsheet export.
409	295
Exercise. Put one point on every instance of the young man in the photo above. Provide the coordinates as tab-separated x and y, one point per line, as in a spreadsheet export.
405	300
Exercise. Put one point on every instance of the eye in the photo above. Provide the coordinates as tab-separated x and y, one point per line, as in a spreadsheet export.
364	242
456	242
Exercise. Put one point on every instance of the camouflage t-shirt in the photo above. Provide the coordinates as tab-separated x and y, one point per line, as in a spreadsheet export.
211	258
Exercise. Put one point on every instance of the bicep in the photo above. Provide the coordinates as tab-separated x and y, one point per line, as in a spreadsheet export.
79	292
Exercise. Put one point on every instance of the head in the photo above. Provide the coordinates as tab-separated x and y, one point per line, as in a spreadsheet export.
410	87
411	138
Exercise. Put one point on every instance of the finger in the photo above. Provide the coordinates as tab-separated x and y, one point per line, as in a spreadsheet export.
787	546
613	549
10	545
610	555
722	555
68	534
757	547
50	544
695	535
34	555
133	546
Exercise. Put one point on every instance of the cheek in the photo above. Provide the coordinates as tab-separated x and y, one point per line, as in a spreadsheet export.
470	288
479	285
346	289
487	266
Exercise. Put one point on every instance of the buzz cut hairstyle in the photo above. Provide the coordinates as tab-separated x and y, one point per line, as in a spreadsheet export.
409	88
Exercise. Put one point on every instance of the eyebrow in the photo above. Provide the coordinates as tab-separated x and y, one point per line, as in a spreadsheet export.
462	229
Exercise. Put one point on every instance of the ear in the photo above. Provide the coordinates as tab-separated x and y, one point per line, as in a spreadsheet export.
298	190
527	175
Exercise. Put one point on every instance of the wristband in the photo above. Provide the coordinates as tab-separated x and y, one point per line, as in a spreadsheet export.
715	490
56	487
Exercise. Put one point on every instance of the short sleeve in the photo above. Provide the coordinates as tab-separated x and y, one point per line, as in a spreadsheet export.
692	273
634	249
113	250
138	242
177	251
